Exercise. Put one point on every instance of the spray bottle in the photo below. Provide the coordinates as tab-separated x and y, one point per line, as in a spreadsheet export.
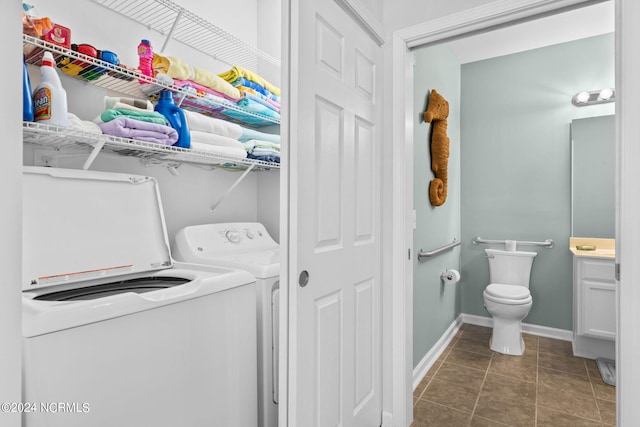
49	97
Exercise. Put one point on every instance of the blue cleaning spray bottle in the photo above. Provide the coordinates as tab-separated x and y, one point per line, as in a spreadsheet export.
176	118
27	101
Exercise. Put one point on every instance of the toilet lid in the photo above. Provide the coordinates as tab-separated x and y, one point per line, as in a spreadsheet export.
510	292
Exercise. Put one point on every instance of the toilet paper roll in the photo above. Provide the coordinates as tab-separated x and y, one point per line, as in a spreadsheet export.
450	277
510	245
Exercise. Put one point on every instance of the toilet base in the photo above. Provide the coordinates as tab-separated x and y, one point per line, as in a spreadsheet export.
506	337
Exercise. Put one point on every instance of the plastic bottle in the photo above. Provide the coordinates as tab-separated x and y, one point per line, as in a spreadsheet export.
49	97
27	101
145	53
176	117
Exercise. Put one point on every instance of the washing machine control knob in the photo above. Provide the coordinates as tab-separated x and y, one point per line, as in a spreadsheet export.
250	234
233	236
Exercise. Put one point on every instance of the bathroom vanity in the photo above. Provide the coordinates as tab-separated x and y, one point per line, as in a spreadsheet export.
594	298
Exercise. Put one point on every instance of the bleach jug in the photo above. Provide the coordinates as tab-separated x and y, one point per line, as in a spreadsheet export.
49	97
145	55
27	101
175	116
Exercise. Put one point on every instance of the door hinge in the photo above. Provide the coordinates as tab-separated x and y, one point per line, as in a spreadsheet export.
409	253
618	272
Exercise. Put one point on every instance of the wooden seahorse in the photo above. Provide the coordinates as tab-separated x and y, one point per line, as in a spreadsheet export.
437	113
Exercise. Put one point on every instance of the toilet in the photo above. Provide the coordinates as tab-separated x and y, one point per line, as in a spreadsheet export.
507	298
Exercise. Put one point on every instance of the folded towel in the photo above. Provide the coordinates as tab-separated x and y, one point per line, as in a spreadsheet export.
200	90
256	107
259	98
179	69
75	123
254	144
143	131
272	159
145	116
241	81
202	123
249	134
213	139
235	72
139	104
217	149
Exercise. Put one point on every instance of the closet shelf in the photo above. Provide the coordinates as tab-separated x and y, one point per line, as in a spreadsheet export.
125	81
59	138
178	23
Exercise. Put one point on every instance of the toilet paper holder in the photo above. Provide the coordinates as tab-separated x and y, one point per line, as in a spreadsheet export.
450	276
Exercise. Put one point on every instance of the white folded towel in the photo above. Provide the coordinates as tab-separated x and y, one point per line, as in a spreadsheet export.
200	122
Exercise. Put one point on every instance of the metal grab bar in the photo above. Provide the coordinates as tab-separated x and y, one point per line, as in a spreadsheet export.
547	243
435	252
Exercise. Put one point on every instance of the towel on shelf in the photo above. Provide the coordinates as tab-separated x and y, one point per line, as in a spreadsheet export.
235	72
202	123
179	69
249	134
219	150
143	131
145	116
262	150
255	107
121	102
242	82
75	123
197	89
213	139
257	97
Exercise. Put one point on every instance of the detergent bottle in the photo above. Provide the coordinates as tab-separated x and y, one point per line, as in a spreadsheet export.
27	101
145	65
175	116
49	97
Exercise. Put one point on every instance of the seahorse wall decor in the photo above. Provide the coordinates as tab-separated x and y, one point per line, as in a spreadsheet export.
436	114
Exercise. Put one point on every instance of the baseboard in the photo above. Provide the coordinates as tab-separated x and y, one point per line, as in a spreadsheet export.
387	419
438	348
541	331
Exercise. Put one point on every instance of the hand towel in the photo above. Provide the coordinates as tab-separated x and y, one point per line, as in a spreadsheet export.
202	123
75	123
236	72
147	116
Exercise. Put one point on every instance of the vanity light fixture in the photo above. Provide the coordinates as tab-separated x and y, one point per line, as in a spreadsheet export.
584	98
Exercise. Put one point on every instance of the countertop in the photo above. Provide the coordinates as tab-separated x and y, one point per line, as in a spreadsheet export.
605	248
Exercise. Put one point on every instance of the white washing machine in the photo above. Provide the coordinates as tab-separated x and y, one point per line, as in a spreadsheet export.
247	246
114	332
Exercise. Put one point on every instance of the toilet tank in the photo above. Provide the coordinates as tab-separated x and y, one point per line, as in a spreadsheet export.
510	267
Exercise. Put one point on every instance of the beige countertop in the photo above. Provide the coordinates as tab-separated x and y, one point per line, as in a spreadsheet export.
605	248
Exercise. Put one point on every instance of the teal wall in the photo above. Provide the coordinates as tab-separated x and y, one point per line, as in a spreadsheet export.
435	306
515	163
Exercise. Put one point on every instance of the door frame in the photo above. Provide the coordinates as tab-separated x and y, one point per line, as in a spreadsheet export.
483	18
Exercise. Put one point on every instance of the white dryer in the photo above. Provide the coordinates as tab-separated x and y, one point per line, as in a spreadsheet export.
247	246
114	332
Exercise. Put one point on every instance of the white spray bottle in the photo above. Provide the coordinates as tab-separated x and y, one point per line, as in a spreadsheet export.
49	97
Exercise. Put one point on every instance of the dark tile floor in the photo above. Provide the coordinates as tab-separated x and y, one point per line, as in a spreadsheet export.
470	385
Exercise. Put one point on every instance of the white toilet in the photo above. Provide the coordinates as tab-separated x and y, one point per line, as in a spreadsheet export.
507	298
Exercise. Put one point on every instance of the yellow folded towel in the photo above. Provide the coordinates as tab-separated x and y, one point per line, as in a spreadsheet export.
178	69
236	72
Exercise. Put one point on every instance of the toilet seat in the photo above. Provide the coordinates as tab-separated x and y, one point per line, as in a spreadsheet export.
508	294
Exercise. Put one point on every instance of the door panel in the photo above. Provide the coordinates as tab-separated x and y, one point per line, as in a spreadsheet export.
335	341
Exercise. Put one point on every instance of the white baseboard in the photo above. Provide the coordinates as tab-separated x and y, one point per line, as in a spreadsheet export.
387	419
432	355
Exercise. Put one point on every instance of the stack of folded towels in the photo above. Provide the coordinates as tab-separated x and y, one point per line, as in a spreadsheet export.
257	95
135	119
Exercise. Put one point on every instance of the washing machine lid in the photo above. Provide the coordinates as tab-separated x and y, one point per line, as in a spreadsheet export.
80	225
511	292
261	264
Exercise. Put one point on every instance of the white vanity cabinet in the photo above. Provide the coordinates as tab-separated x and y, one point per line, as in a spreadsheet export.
594	306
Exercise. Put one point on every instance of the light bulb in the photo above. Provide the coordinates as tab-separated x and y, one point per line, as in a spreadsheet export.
582	97
605	94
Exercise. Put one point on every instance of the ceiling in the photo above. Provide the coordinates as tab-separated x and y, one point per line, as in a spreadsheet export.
563	27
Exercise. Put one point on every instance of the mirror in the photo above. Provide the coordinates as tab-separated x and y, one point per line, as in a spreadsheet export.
593	177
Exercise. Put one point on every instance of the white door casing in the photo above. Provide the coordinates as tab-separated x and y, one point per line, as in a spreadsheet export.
334	353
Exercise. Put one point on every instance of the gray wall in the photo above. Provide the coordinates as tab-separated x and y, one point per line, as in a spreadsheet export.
435	306
515	163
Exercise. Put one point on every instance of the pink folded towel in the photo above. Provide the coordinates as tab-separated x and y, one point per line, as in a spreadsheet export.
143	131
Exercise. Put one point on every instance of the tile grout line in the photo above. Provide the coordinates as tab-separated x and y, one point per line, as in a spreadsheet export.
486	373
535	418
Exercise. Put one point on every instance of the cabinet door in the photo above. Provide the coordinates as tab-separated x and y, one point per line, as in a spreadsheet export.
597	299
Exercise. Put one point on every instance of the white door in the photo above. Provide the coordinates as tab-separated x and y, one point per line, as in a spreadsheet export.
334	219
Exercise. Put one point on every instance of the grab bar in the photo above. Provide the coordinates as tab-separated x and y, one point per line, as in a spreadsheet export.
547	243
435	252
